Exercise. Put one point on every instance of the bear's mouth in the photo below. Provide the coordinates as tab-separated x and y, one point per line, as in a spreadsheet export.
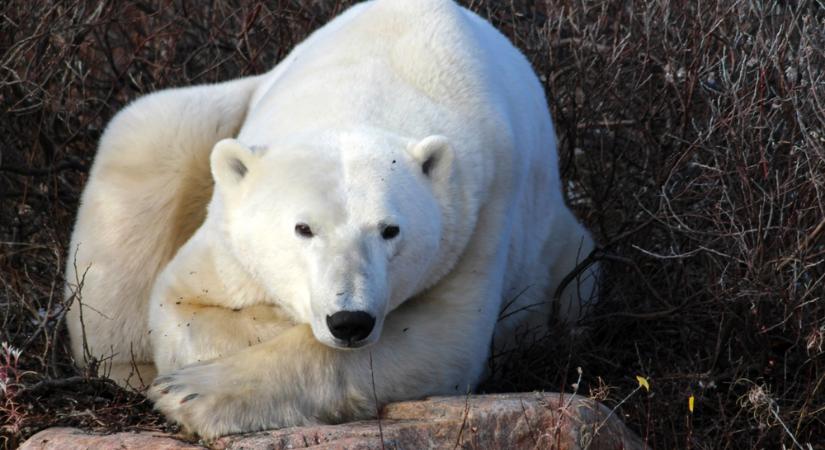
350	344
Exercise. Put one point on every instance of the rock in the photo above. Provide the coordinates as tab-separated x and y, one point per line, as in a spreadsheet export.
505	421
76	439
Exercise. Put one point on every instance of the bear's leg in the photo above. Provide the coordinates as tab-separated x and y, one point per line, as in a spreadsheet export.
433	345
189	331
146	194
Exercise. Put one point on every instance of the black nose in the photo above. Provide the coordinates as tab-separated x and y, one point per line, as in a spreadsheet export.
350	326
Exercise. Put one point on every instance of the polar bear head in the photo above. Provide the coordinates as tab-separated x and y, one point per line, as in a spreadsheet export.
340	229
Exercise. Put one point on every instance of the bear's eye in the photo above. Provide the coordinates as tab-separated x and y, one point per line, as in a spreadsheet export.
303	230
390	231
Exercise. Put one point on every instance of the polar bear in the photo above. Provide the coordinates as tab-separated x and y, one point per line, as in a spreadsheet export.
357	224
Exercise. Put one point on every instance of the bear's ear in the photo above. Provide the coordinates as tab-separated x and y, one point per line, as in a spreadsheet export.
433	154
231	161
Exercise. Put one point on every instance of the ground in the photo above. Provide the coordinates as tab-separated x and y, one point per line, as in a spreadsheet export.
692	142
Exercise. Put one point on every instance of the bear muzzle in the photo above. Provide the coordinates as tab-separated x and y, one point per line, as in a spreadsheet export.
351	327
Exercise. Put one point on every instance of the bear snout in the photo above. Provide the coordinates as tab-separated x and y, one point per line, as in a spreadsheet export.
351	326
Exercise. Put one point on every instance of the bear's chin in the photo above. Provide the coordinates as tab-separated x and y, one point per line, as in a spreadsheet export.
341	344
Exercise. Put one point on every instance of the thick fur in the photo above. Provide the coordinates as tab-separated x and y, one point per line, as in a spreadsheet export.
415	114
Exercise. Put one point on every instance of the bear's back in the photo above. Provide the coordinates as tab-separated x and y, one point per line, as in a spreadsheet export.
414	68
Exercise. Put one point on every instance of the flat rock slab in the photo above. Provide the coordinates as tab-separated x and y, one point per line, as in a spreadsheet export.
503	421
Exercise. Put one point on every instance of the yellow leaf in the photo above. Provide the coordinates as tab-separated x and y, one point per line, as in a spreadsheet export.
690	403
643	382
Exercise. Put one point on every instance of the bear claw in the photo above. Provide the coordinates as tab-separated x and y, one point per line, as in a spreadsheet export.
162	380
171	388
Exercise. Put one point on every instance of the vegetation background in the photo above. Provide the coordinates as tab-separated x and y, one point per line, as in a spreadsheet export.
692	141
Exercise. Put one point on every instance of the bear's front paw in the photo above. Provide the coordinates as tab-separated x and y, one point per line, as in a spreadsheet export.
211	400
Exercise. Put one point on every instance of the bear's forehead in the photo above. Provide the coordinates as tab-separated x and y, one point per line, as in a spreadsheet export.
347	158
344	176
325	168
348	186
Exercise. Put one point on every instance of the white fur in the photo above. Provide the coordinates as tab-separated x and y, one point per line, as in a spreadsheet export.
336	137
